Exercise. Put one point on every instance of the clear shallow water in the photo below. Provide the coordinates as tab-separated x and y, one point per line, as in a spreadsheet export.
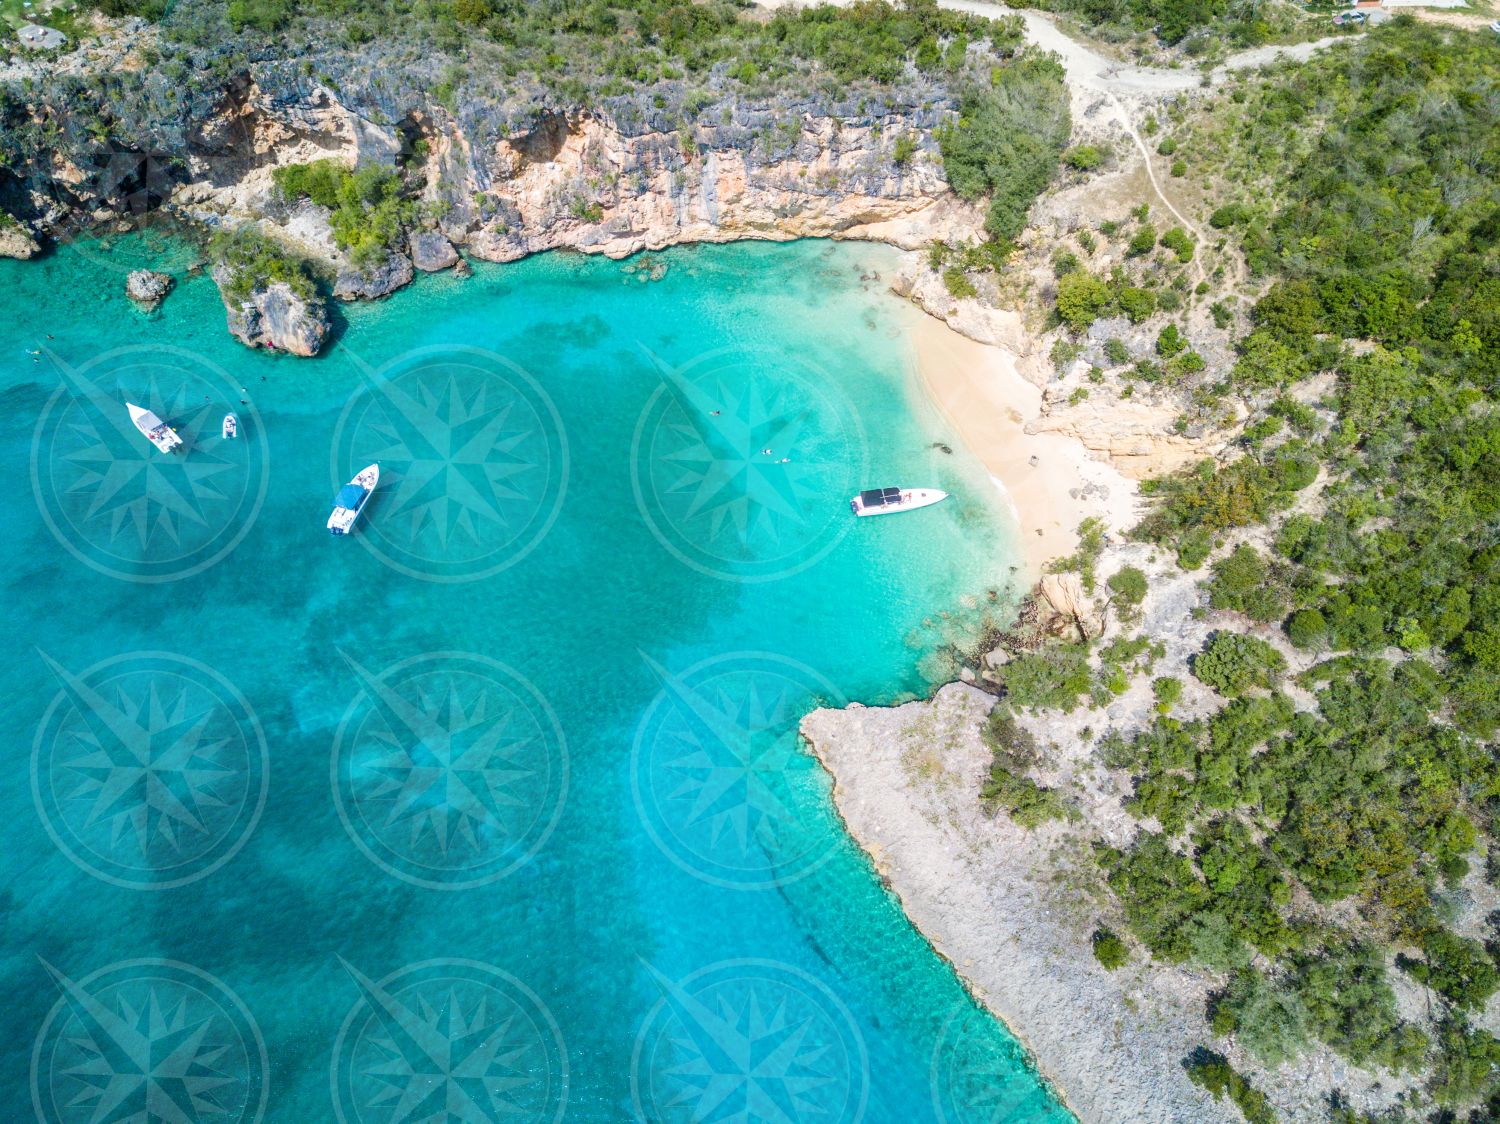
494	810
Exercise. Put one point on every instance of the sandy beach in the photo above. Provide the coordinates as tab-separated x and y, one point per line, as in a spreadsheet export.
1052	482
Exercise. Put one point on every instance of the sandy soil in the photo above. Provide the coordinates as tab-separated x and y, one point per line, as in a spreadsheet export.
1053	483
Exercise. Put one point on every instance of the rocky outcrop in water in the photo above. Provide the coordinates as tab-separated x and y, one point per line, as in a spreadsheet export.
273	315
15	242
148	288
355	282
431	252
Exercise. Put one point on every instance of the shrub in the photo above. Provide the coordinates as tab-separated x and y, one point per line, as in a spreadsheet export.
1307	629
1457	968
1142	242
1213	1072
255	261
1244	583
1177	239
1056	677
1116	352
1128	585
957	282
1136	303
1233	663
1110	950
1268	1020
1170	341
1081	299
1166	689
1086	157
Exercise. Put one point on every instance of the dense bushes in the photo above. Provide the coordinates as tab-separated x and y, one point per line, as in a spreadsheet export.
368	208
253	261
1008	140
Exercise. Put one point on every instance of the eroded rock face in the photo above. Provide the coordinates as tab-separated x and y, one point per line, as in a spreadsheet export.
147	288
430	251
355	283
273	315
16	242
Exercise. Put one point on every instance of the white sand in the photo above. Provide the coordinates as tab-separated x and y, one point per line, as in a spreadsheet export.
981	393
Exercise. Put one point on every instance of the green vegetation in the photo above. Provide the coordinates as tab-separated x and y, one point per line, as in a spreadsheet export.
1234	663
1110	950
369	210
1008	788
1297	849
1213	1072
1008	141
254	261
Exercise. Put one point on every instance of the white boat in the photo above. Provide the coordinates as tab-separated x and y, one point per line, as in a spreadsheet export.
352	498
158	432
231	426
885	501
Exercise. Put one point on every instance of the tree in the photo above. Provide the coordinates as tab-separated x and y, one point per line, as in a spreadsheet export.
1233	663
1267	1019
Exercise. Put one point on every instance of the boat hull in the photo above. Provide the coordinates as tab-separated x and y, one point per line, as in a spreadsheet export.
346	506
908	499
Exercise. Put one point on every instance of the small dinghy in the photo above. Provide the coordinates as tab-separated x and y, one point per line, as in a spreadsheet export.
231	427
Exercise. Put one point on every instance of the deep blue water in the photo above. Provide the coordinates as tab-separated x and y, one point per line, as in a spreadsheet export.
494	810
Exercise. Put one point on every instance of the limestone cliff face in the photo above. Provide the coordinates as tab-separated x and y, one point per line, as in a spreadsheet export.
586	179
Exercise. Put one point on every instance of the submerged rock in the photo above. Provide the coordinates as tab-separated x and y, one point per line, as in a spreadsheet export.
430	251
148	288
358	284
272	314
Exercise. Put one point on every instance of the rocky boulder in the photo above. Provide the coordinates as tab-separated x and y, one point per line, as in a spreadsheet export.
430	251
15	241
355	283
272	314
147	288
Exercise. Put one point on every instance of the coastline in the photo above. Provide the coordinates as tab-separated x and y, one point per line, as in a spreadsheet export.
1050	481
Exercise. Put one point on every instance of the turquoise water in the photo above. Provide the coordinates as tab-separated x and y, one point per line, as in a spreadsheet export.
495	809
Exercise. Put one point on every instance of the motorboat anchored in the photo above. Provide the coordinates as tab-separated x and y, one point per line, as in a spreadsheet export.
884	501
158	432
352	498
231	427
